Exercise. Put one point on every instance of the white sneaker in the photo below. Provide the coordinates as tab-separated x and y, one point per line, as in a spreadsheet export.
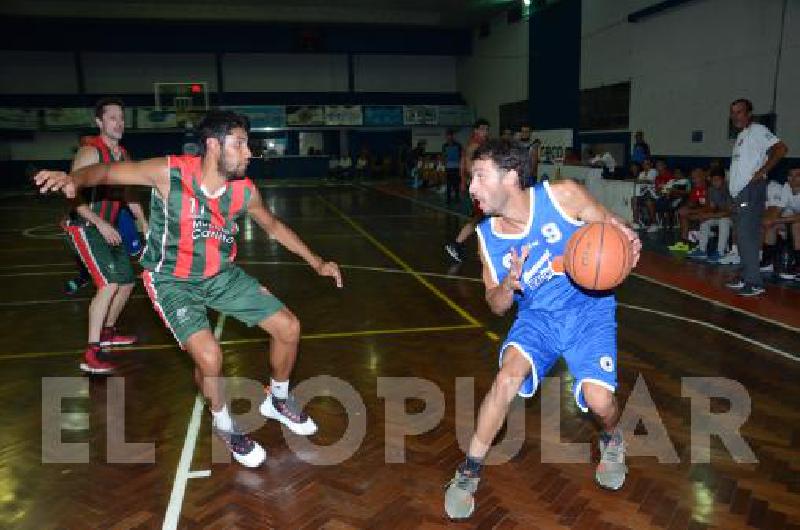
637	226
731	258
653	228
288	413
244	450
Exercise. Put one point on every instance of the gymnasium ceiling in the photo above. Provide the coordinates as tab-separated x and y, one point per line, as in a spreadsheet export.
444	13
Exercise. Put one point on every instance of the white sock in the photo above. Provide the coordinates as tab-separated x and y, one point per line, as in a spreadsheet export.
279	389
222	419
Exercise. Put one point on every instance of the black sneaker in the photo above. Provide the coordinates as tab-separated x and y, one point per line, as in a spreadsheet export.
751	290
244	450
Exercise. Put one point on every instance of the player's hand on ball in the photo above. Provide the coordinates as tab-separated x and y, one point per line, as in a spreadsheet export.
48	181
329	268
636	243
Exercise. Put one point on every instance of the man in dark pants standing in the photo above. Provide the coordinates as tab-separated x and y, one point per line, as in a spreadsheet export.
755	153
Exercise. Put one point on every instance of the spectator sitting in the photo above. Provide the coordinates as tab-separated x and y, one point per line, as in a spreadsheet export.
772	211
346	166
362	164
644	197
633	170
717	213
333	167
789	218
687	212
662	186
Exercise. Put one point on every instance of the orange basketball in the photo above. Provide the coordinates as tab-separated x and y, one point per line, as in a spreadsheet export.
598	256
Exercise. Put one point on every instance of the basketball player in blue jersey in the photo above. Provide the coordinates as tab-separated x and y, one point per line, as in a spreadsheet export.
521	244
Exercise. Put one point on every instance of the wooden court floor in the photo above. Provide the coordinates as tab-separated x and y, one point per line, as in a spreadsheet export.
404	313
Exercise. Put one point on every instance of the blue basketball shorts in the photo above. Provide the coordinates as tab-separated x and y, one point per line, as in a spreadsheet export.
585	336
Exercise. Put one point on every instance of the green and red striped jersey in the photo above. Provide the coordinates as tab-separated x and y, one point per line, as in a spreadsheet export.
105	201
193	235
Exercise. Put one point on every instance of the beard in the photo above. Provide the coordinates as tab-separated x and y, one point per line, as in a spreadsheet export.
236	172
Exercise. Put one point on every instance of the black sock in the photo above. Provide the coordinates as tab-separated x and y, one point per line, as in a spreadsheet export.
471	466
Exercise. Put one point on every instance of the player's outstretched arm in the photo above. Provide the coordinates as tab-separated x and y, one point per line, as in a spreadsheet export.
289	239
577	202
153	172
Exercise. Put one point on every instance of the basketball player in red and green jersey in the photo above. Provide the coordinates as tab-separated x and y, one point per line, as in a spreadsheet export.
92	232
188	261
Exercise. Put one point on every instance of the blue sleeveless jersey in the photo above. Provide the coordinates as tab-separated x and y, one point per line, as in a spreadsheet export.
547	233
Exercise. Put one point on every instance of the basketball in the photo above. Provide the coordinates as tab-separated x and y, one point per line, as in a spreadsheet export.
598	256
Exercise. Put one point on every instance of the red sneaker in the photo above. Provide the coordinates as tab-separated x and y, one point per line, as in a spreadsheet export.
93	365
109	337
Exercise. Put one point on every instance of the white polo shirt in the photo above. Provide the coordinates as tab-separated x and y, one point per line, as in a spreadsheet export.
774	194
790	201
749	155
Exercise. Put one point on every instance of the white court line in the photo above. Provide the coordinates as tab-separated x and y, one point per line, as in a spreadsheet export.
716	302
183	474
46	273
790	356
37	265
418	201
57	301
636	274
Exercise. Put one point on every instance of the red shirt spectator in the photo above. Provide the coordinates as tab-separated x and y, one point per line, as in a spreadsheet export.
698	195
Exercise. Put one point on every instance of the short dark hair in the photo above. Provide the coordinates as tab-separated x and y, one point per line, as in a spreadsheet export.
102	103
717	172
480	122
507	155
218	124
748	105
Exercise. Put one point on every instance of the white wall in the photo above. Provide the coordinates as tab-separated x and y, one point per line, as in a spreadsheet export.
688	63
497	71
273	72
405	73
135	73
23	72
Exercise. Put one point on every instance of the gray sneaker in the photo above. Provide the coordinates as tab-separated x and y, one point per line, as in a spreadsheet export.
459	500
611	470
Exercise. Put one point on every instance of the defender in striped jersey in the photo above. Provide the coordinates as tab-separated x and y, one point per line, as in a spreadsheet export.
91	229
196	202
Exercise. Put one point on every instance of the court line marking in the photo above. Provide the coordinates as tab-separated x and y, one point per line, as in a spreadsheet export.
45	273
709	325
405	266
233	342
635	274
182	474
493	336
37	265
717	302
417	201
